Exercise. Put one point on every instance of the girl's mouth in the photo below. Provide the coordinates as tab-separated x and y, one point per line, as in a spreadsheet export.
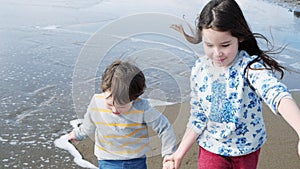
220	60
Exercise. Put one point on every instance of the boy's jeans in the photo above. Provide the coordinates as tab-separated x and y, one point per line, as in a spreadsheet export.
138	163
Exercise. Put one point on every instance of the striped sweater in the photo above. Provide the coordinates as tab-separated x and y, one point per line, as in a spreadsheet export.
125	136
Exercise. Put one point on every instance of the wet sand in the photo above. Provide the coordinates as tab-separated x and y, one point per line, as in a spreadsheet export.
280	151
289	3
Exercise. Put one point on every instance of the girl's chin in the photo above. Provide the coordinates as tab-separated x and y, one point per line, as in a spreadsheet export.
222	63
219	64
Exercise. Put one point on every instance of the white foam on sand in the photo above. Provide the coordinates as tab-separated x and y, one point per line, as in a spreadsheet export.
64	143
155	102
295	90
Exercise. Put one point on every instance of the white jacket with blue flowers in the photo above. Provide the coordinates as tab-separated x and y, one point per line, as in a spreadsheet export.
225	111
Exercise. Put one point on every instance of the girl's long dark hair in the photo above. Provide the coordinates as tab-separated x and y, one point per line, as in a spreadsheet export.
226	15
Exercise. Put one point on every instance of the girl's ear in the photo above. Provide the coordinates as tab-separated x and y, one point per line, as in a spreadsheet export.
241	40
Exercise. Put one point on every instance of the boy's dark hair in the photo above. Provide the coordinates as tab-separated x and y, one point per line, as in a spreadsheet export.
125	81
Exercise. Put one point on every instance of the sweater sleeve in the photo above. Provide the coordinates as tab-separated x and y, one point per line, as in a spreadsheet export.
197	120
87	127
267	86
161	125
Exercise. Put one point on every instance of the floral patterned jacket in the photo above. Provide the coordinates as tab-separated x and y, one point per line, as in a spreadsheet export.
226	111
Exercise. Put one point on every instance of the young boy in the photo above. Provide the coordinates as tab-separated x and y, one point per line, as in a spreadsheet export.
120	120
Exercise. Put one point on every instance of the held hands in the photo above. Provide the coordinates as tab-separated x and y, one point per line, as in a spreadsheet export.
171	162
168	165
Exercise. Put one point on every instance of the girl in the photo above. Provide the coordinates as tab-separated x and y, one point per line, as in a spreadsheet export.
229	85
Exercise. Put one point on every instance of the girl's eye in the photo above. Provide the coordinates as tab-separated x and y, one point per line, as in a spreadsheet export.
209	45
226	45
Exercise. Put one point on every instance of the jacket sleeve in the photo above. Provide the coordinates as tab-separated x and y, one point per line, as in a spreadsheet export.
87	127
198	119
267	86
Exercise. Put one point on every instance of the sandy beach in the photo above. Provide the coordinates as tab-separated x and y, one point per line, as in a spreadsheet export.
54	52
280	151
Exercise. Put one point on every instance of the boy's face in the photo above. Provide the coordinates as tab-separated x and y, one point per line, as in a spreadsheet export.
116	108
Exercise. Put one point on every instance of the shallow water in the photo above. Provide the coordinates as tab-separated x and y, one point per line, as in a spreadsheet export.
50	62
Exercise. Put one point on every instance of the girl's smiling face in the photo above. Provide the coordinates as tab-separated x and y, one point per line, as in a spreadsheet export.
220	47
114	107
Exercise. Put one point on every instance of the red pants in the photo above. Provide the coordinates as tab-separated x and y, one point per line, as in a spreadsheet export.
208	160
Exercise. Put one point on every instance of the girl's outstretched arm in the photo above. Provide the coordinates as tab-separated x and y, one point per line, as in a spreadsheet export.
291	113
187	141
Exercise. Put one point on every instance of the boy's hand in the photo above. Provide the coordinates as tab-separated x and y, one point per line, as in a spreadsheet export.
72	136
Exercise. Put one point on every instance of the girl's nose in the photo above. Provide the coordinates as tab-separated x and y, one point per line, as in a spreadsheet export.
218	52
